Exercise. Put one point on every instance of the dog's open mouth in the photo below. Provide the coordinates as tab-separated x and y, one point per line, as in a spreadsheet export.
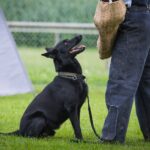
77	49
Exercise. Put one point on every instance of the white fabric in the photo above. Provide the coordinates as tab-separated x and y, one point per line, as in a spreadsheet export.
13	78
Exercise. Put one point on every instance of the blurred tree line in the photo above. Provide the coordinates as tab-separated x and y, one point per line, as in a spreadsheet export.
81	11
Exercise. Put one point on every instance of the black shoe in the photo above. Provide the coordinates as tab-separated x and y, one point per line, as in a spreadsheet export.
104	141
147	138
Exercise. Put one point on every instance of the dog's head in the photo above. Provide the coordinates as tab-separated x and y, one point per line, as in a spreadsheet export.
65	51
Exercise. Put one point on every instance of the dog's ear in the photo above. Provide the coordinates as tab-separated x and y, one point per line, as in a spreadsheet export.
50	53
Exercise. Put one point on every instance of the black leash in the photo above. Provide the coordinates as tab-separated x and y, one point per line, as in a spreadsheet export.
91	118
75	76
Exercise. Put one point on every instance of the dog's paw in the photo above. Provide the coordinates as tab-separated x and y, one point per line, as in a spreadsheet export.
75	140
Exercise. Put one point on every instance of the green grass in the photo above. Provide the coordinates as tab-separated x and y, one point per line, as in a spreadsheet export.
41	71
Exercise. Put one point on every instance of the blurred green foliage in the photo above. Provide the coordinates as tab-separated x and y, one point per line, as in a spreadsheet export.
49	10
80	11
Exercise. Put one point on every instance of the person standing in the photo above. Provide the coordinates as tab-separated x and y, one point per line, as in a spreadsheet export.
129	74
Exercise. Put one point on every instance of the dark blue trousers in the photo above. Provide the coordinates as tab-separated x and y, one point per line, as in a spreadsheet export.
129	76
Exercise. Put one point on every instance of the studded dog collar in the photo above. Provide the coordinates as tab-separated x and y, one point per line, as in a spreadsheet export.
73	76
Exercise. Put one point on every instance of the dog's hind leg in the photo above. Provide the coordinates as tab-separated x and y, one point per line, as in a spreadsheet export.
36	127
48	132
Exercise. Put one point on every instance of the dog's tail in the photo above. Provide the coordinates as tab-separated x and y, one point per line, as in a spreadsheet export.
11	133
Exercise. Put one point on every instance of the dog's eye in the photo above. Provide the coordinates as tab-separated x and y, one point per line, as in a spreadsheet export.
66	43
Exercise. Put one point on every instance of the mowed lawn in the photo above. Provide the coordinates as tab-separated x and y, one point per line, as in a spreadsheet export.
41	71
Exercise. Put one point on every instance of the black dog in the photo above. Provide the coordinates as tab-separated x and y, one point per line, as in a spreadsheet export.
61	99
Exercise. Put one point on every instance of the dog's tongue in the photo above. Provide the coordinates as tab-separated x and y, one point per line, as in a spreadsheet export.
77	49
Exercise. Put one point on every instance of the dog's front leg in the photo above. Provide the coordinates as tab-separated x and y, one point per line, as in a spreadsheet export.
76	123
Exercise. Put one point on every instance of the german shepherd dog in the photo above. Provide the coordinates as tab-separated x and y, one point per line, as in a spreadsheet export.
61	99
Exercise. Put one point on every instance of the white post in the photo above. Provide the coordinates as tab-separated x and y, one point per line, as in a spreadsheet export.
57	38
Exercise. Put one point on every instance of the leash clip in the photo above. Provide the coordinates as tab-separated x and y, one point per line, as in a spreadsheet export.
74	78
